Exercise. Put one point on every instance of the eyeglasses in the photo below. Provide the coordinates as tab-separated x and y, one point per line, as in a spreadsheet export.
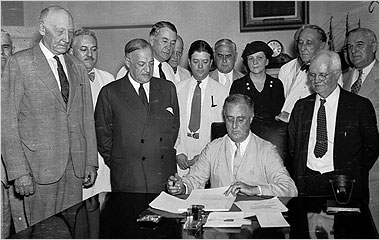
322	76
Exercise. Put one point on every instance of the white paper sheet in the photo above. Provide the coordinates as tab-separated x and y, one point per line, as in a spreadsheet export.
271	219
213	199
226	219
167	202
258	206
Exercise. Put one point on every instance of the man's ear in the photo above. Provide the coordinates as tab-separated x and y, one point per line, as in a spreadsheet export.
151	40
127	62
42	28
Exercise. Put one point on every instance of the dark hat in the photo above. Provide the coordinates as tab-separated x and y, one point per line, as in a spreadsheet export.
257	46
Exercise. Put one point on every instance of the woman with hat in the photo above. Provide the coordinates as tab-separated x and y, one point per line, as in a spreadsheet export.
267	92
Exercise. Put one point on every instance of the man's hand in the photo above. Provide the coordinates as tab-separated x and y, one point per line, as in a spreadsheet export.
242	188
192	161
283	116
175	185
24	185
89	176
182	161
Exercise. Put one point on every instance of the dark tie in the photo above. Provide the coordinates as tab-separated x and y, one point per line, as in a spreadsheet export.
321	144
63	80
143	97
91	76
162	75
357	85
195	117
305	67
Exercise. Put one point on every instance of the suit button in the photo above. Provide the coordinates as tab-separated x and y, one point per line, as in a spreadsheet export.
160	139
162	156
142	140
143	158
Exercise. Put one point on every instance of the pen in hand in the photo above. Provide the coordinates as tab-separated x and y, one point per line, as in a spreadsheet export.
228	190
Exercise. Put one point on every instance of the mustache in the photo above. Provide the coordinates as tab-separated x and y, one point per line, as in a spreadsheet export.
89	58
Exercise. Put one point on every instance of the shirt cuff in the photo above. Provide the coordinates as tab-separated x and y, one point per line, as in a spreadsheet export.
260	192
186	188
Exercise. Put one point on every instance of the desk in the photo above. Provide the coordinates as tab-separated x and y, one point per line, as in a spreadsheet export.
116	218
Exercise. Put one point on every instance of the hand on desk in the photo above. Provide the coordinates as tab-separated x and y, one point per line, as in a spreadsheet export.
243	189
175	185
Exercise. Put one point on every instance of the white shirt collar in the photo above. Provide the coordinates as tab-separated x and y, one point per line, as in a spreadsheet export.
332	98
243	145
366	70
48	54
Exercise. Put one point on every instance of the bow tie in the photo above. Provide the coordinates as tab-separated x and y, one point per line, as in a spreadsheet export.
305	67
91	76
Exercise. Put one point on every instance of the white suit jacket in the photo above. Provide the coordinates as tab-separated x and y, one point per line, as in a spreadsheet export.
103	180
261	165
180	75
212	105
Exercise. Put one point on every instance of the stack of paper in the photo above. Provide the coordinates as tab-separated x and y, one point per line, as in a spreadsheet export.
226	219
213	199
268	211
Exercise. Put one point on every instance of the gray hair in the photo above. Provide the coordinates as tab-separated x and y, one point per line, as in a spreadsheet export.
367	32
238	99
45	12
225	42
334	59
321	33
162	24
135	44
83	32
7	34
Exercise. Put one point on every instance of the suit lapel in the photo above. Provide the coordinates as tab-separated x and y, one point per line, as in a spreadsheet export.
45	74
370	81
132	100
307	119
73	75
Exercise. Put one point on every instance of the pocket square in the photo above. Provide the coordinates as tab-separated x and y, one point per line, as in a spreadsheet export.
170	109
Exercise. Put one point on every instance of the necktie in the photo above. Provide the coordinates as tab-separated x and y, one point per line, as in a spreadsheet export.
357	84
321	144
143	97
237	158
91	76
162	75
195	117
63	80
305	67
227	80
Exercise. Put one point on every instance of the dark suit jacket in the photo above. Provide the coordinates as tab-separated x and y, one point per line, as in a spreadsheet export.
356	141
137	145
39	133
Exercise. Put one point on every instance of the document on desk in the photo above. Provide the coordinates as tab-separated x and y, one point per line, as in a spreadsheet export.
258	206
271	219
213	199
226	219
168	203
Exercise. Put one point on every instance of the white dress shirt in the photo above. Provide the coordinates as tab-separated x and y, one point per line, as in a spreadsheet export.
136	86
326	163
53	63
225	78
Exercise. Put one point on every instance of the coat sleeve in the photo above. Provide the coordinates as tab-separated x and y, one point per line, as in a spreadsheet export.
279	182
103	125
175	107
12	91
370	135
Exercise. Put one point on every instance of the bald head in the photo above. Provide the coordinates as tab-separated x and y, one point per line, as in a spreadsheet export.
57	28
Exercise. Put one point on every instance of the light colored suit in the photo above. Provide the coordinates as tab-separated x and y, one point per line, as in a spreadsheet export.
211	111
180	75
261	165
39	133
103	180
235	75
370	90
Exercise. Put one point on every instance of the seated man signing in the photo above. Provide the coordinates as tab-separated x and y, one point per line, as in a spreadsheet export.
248	164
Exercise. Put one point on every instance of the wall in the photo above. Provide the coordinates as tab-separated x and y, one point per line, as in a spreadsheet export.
208	20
